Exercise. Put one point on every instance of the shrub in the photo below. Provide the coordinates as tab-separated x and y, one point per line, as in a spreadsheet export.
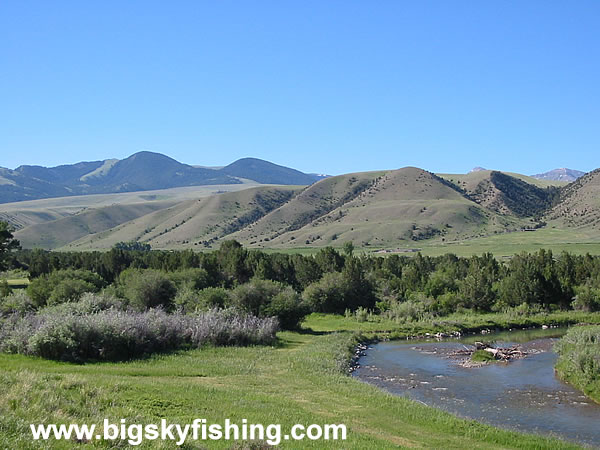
89	303
579	358
69	291
288	307
587	298
63	286
5	289
189	300
410	310
196	278
145	289
327	294
265	298
120	335
16	303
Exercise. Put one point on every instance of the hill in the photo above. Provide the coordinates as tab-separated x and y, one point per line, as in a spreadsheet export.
396	209
507	194
379	209
579	204
563	174
59	232
141	171
192	223
31	212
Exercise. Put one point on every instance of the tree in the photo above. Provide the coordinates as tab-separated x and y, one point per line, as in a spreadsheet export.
7	243
348	248
131	246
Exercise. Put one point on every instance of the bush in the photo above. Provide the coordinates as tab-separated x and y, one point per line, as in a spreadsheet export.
189	300
16	303
196	278
288	307
410	310
145	289
5	289
63	286
587	298
265	298
327	294
114	335
69	291
579	359
89	303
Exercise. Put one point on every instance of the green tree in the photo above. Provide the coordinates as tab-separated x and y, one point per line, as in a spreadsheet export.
348	248
7	243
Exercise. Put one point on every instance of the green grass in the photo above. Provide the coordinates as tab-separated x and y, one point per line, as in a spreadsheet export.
482	356
579	359
464	323
18	283
302	380
507	244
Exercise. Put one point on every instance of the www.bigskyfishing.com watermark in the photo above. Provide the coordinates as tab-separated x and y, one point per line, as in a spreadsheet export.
198	430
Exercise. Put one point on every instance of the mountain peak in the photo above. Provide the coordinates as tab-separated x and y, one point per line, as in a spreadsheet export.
267	172
562	174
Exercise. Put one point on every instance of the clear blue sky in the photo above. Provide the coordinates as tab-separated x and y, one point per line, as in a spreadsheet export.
322	86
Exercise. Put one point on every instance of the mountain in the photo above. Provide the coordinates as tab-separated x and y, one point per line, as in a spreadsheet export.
140	172
477	169
579	204
266	172
563	174
146	170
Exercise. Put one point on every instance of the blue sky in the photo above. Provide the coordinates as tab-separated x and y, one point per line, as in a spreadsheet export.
322	86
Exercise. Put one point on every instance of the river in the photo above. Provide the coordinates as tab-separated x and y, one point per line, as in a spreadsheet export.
523	394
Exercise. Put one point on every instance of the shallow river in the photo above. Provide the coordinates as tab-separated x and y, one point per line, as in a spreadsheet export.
523	394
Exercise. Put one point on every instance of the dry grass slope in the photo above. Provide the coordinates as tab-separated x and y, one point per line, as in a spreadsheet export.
579	203
194	223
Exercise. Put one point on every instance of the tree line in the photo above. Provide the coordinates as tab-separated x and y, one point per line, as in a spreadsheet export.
335	281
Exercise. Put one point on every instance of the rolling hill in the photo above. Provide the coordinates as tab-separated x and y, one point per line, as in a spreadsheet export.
508	194
141	171
579	205
405	205
190	223
62	231
404	208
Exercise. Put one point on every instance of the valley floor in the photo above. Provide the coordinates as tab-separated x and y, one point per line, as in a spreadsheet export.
302	380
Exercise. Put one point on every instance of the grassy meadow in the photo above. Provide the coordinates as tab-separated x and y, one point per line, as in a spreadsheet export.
303	380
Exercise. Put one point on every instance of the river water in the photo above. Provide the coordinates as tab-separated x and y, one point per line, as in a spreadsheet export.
523	394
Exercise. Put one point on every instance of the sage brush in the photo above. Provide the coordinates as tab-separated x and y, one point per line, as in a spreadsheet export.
115	335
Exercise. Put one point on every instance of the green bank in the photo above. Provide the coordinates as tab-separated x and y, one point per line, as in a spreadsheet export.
301	380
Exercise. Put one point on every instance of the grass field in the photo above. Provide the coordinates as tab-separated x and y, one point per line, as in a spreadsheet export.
18	283
501	245
302	380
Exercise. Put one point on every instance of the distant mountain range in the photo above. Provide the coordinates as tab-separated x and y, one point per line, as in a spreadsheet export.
140	172
563	174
